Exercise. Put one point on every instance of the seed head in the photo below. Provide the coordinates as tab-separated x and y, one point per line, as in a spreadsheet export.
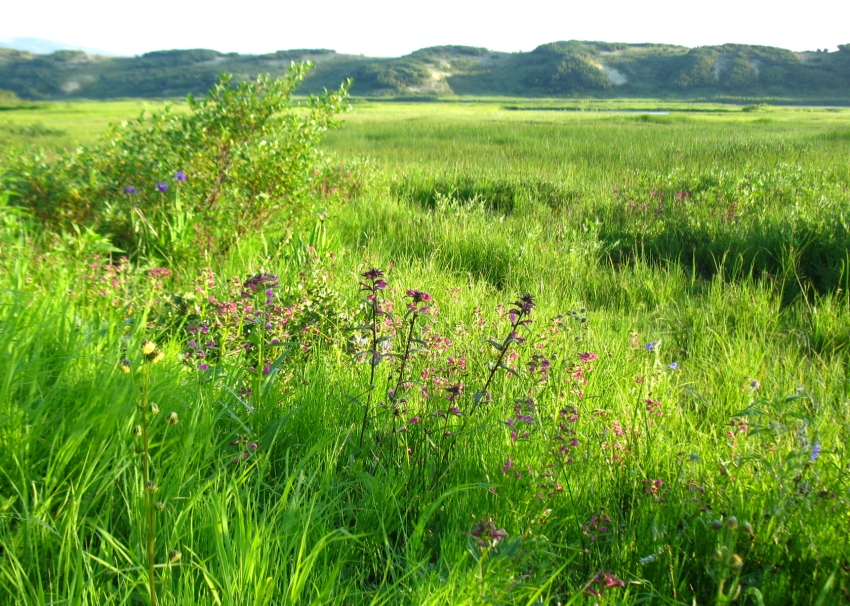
154	408
174	555
137	430
736	562
716	524
148	347
732	522
150	487
125	366
159	505
172	418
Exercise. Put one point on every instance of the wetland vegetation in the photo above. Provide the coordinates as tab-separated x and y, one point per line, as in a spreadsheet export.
460	354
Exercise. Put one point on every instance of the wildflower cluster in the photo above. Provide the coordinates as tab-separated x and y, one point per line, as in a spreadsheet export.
251	321
487	535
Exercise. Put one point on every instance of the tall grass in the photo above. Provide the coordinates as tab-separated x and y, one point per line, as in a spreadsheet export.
685	440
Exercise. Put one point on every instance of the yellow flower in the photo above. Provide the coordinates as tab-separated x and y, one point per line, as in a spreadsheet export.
125	366
148	347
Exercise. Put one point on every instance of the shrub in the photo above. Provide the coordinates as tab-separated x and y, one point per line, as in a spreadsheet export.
170	185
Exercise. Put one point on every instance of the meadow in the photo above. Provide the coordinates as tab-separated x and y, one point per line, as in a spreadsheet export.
500	354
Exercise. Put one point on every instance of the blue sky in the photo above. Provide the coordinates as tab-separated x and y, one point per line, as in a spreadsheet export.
393	28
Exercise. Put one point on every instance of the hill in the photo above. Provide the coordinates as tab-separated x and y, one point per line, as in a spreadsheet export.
44	46
558	69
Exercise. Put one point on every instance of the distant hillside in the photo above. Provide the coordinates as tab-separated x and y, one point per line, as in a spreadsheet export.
558	69
44	46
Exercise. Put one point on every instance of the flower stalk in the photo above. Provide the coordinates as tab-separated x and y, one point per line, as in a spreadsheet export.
375	284
519	316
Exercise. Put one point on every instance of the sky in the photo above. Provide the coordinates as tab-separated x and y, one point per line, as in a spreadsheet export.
391	28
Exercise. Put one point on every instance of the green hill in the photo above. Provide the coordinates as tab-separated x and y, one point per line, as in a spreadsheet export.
558	69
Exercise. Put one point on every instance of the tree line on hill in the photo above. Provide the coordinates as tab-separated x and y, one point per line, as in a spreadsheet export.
558	69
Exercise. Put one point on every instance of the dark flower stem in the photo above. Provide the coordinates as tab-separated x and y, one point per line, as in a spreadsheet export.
505	345
518	317
395	397
373	362
404	358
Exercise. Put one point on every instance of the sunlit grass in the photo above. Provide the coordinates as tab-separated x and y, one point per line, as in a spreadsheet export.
688	443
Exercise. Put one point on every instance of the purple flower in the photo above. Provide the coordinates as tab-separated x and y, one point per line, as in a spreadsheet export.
257	282
162	187
129	190
815	452
373	274
525	304
651	346
610	581
673	366
204	366
180	176
486	534
418	296
455	391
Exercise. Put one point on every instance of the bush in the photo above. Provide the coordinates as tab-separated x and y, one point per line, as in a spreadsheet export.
172	185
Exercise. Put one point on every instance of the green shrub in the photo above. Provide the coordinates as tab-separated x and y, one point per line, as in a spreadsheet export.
172	185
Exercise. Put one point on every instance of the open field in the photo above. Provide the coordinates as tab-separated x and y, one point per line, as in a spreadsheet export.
665	420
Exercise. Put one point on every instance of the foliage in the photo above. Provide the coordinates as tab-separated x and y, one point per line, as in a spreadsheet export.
168	184
739	74
395	75
698	69
564	68
557	403
177	57
8	98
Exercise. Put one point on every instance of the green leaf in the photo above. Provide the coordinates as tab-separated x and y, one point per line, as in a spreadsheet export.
496	344
509	369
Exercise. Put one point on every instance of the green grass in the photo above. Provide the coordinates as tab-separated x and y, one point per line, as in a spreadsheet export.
55	125
702	476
